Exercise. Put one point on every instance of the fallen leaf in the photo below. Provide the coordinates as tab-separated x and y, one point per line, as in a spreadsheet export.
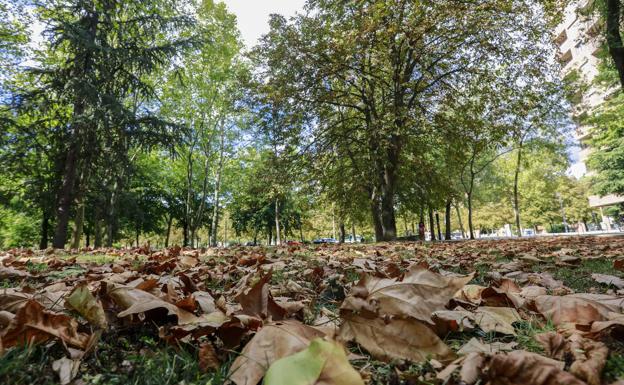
609	280
272	342
406	339
523	368
323	362
554	344
33	324
590	359
82	301
496	319
66	369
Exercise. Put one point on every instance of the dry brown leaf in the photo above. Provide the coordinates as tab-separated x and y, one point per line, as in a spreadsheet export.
570	310
406	339
418	295
554	344
496	319
609	280
207	357
136	301
34	324
256	299
476	346
272	342
523	368
590	358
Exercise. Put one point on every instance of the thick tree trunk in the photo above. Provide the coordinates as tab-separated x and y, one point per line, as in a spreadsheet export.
431	225
388	219
66	196
516	194
168	235
614	39
447	220
45	229
112	215
379	231
278	240
343	232
353	232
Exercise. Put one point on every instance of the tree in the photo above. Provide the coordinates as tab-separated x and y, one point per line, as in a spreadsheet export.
98	55
384	66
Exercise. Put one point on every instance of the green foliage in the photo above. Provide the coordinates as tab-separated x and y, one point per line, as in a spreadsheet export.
17	229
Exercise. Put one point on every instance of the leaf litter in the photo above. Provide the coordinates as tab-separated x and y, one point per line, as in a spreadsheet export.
443	313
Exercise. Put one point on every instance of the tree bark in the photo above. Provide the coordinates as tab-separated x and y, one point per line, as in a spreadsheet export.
353	232
431	225
78	222
66	195
168	235
437	217
516	196
614	39
278	240
470	225
215	210
343	232
459	219
45	228
447	220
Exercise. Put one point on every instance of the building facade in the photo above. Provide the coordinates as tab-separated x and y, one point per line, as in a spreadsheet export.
579	39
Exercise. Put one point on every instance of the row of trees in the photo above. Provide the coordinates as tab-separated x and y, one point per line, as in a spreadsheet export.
132	119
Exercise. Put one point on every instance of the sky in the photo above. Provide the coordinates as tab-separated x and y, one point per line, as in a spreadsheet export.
253	15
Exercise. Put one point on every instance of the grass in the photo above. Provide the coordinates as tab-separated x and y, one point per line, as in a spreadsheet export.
132	357
579	277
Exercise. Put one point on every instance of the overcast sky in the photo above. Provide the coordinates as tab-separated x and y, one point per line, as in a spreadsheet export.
253	15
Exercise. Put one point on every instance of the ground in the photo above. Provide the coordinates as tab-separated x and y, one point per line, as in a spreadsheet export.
184	316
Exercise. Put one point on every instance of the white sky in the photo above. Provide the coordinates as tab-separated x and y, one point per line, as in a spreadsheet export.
253	15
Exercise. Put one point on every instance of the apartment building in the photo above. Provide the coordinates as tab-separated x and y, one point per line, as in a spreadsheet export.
579	39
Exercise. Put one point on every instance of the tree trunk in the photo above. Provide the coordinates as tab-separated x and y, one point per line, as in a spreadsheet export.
431	225
515	191
137	234
78	222
169	223
45	228
270	235
112	215
379	231
437	217
185	234
447	220
66	195
88	238
66	192
97	231
215	210
614	39
461	223
343	232
470	225
278	240
353	232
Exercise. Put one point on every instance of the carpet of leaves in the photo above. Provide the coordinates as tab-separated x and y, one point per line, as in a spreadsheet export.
541	311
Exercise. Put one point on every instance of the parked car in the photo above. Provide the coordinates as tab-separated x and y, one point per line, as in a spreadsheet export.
320	241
